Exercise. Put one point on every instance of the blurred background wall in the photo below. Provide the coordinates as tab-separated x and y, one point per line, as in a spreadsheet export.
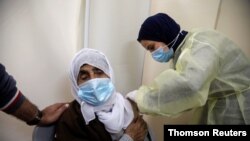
37	41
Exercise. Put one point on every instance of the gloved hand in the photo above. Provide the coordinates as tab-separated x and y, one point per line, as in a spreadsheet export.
131	95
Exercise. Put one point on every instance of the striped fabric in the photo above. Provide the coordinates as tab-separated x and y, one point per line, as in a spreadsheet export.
10	97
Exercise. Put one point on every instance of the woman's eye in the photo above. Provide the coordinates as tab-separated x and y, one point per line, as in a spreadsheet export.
85	77
100	72
150	48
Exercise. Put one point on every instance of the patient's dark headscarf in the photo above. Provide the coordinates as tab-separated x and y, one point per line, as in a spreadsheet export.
159	27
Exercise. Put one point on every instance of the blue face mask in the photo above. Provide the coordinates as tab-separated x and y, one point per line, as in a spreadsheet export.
161	56
96	91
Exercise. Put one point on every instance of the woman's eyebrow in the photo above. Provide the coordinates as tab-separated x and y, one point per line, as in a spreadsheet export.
96	68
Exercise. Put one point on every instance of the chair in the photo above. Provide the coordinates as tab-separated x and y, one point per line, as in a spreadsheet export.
43	133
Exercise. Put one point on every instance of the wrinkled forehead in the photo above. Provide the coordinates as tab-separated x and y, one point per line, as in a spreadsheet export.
90	66
92	58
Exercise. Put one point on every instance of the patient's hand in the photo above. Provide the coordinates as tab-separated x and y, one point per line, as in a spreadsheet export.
137	129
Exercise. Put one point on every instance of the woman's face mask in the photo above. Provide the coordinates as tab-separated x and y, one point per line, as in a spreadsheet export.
158	50
162	56
96	91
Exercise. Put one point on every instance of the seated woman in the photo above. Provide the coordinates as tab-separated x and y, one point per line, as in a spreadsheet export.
99	112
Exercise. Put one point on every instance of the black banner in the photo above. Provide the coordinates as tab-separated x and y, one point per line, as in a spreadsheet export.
206	131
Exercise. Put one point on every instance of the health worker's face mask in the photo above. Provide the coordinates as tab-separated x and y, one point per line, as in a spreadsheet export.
161	56
96	91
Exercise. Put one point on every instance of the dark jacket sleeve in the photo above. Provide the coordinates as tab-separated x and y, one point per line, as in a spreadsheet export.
10	97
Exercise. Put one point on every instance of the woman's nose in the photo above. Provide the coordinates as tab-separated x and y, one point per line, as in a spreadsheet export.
92	75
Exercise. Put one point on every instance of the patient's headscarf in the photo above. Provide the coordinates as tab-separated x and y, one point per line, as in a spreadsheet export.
116	110
92	57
